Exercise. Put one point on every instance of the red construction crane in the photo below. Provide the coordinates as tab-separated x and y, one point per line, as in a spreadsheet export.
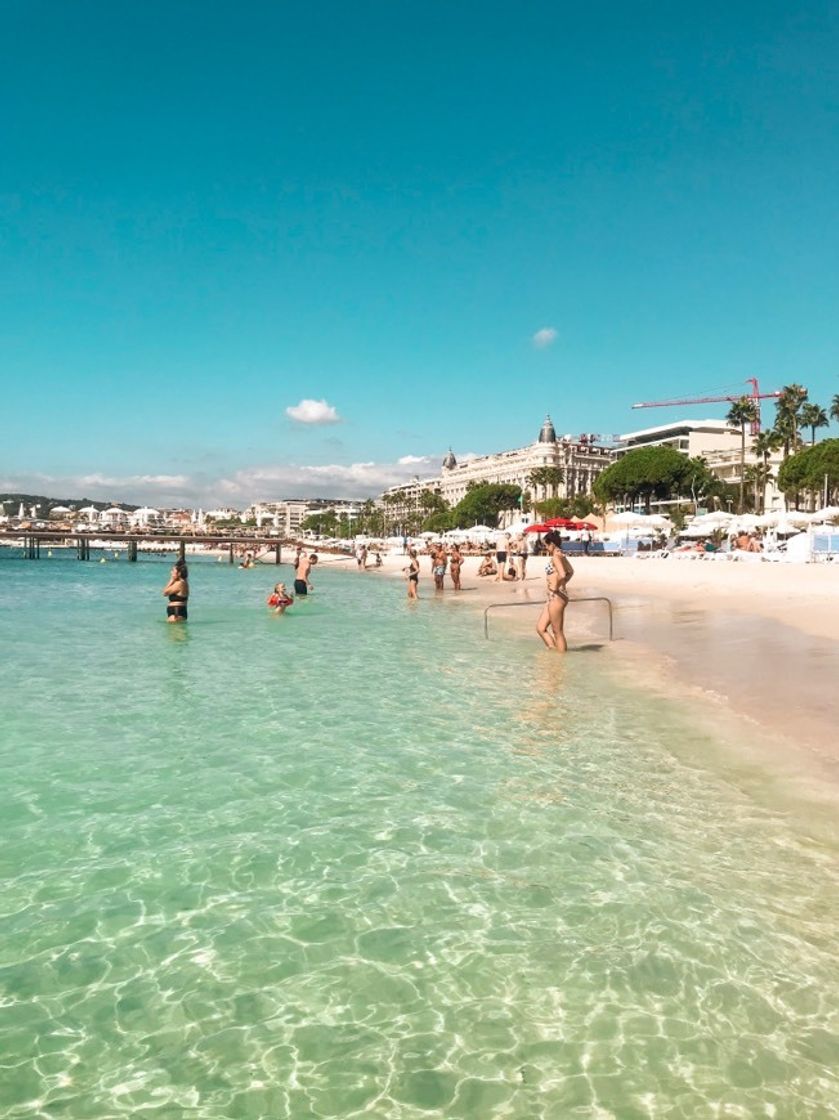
755	396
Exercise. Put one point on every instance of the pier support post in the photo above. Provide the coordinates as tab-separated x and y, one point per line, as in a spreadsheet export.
231	552
132	552
278	554
182	549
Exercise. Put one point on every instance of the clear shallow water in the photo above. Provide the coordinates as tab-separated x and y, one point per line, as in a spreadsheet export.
357	862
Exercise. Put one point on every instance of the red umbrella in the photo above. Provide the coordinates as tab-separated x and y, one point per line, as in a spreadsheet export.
538	529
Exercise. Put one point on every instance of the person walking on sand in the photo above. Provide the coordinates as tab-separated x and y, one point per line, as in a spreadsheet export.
455	564
502	547
412	573
177	590
558	572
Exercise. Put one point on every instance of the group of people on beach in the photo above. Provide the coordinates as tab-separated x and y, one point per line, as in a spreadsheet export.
550	625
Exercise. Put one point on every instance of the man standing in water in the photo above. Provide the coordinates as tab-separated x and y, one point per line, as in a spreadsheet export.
301	575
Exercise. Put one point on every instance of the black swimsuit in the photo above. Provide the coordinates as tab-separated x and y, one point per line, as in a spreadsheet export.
177	606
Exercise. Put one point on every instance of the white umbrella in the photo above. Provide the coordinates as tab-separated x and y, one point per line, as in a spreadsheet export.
694	530
783	520
827	513
628	517
745	521
516	528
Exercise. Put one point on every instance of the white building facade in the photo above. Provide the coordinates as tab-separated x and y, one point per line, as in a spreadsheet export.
580	460
715	442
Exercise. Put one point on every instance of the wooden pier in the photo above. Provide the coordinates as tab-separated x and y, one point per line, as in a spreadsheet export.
32	539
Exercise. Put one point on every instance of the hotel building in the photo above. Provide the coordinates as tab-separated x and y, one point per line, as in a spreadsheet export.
580	459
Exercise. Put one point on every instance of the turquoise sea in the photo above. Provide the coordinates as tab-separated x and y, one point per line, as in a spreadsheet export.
358	862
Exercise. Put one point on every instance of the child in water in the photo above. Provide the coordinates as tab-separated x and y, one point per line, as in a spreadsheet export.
279	600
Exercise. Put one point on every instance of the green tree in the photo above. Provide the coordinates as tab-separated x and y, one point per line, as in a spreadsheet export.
742	413
812	416
758	475
788	409
325	523
764	445
834	408
549	478
553	507
644	473
699	481
576	508
439	522
482	504
432	502
812	470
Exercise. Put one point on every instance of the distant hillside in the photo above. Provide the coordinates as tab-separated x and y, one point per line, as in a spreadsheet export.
12	501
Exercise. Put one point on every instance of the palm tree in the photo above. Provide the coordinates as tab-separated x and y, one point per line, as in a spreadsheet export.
760	476
549	478
765	443
813	416
742	413
834	408
788	406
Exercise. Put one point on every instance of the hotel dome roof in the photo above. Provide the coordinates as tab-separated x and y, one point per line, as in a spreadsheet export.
449	461
547	434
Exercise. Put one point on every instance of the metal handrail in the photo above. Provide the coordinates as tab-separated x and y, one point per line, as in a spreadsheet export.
581	599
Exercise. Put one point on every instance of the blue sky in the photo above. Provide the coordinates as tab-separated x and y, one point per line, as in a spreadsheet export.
210	213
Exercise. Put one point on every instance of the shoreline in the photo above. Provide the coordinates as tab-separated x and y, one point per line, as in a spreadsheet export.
754	644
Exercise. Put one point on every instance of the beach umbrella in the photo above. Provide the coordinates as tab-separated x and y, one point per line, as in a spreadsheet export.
538	529
827	513
745	521
628	517
694	530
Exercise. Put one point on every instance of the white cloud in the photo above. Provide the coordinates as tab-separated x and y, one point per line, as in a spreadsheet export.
313	412
544	338
326	480
250	483
126	488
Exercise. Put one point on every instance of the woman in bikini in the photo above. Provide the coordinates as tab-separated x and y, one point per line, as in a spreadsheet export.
455	564
558	572
412	572
178	591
